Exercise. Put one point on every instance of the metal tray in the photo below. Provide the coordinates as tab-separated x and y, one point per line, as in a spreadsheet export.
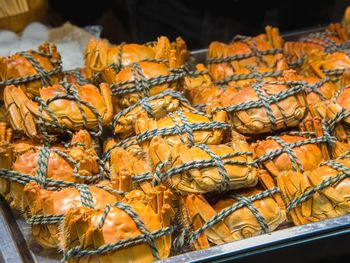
315	241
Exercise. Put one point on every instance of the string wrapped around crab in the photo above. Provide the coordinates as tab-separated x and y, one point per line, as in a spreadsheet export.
155	107
52	166
297	151
100	55
59	109
318	194
263	50
45	209
31	70
263	101
136	229
230	217
202	168
333	39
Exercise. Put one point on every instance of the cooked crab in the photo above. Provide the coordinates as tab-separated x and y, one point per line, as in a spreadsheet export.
318	194
272	104
230	219
157	106
203	168
6	155
21	67
98	54
43	204
61	106
282	153
78	163
261	51
138	217
186	127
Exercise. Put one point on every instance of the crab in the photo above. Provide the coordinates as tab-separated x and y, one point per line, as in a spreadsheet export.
132	83
98	54
41	202
305	157
200	90
271	41
161	105
26	158
287	107
18	66
240	223
321	65
90	229
215	167
126	168
6	155
67	106
181	127
331	200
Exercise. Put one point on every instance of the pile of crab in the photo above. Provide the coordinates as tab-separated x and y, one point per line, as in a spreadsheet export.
141	155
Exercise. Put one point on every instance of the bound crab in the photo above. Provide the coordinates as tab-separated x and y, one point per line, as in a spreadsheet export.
263	50
45	209
136	229
333	39
290	153
59	107
202	168
230	217
57	165
31	70
99	55
187	127
156	107
264	103
318	194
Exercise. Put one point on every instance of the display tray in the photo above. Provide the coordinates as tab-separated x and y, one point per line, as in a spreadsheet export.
309	243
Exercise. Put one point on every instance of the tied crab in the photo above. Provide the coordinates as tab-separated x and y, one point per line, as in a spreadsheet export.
288	152
157	106
77	163
264	104
137	229
334	38
186	127
99	55
318	194
263	50
203	168
42	206
32	70
60	106
242	214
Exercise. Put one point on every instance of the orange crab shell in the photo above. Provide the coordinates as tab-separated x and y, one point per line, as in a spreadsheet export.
44	202
309	155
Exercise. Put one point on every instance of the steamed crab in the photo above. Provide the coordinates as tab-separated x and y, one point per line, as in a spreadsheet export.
67	106
160	105
265	106
215	167
18	66
98	54
229	218
329	199
261	51
45	203
77	163
182	127
305	157
332	39
88	229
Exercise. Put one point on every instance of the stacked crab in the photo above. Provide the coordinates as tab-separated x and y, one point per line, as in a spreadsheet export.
139	156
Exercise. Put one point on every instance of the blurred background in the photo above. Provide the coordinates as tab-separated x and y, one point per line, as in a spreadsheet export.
197	22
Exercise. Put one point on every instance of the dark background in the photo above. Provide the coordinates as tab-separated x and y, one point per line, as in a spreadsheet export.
197	22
